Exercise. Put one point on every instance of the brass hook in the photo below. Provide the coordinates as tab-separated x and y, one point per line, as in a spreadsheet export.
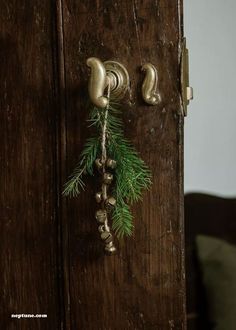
101	75
98	82
149	87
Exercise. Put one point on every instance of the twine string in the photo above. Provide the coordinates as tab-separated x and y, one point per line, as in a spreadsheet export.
104	151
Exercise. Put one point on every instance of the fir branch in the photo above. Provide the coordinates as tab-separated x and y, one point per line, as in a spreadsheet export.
89	153
75	183
132	174
96	118
122	223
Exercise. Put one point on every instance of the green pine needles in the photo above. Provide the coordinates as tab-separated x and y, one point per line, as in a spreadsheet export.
131	175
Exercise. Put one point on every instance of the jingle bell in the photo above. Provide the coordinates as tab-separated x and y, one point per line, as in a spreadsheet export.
110	248
106	236
107	178
101	229
98	197
110	201
111	163
98	163
101	216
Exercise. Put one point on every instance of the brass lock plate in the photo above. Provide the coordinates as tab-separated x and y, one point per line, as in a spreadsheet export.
119	78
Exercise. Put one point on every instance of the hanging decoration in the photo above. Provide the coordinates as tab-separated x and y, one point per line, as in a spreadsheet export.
123	173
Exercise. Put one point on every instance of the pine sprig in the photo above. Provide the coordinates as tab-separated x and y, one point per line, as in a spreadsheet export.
122	220
75	183
132	175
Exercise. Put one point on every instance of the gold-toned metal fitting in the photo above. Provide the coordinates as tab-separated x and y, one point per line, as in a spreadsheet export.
109	239
97	82
98	163
149	87
106	235
98	197
110	244
186	90
110	201
110	249
101	216
101	229
102	74
118	77
107	178
111	163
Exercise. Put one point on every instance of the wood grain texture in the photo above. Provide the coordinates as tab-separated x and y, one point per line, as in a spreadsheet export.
43	86
28	224
142	287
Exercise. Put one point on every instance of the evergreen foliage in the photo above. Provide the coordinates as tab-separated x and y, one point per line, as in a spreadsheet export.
131	173
75	183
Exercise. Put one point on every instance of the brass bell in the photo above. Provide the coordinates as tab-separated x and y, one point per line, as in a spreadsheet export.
110	201
109	239
110	248
110	244
98	197
106	236
107	178
101	229
101	216
111	163
98	163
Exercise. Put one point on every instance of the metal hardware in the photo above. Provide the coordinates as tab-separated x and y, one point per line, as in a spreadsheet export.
149	87
186	90
101	75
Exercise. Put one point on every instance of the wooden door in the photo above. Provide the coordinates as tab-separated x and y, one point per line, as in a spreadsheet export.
52	261
29	222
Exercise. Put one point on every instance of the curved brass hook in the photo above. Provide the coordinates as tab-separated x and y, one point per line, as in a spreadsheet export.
149	87
101	75
98	82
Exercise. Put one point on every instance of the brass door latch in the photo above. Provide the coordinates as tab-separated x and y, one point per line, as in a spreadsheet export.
103	73
186	90
115	74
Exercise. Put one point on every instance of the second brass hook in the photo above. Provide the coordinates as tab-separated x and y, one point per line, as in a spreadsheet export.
149	87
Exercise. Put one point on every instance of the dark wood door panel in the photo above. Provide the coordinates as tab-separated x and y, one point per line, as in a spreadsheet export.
142	287
28	225
43	87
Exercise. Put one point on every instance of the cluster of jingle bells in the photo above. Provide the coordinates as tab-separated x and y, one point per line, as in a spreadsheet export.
106	203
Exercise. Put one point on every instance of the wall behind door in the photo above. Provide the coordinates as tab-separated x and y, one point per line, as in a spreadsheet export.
210	133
